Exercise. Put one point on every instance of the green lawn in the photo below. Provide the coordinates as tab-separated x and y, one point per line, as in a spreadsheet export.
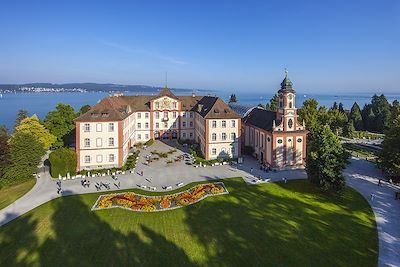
264	225
11	193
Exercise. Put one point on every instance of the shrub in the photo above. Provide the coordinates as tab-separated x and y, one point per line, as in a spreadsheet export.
62	161
150	142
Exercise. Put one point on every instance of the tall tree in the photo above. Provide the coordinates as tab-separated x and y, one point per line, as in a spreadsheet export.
368	118
326	159
273	104
21	115
381	108
389	158
60	123
335	105
309	113
84	109
4	150
355	116
33	126
232	98
349	129
341	108
26	153
395	112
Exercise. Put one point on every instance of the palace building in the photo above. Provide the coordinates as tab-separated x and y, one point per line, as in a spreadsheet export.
277	138
107	132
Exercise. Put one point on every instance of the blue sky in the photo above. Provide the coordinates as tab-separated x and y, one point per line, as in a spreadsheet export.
328	46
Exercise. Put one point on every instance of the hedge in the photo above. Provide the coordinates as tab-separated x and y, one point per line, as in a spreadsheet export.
62	161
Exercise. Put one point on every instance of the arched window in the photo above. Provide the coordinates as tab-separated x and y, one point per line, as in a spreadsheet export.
290	104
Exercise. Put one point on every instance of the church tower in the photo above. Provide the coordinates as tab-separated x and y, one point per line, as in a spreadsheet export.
287	112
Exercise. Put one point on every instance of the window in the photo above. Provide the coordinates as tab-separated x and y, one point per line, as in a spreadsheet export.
214	137
233	123
191	135
87	127
191	124
139	137
147	136
223	124
87	142
146	115
157	125
111	127
98	127
184	124
214	151
280	103
290	104
166	114
233	136
87	159
191	114
111	158
268	139
299	140
214	124
139	115
99	142
223	136
165	124
139	125
183	114
157	115
174	104
157	104
290	123
111	141
174	115
99	158
184	135
280	141
146	125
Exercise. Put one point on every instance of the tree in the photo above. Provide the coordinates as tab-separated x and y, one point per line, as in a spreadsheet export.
334	118
232	98
335	105
355	116
60	123
341	108
21	115
381	108
4	150
389	158
62	161
368	118
309	113
33	126
326	159
395	112
26	153
84	109
349	129
273	104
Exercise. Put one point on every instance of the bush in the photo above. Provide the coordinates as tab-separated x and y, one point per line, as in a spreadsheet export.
62	161
150	142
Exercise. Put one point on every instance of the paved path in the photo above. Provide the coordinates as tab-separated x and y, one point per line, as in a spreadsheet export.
360	174
363	176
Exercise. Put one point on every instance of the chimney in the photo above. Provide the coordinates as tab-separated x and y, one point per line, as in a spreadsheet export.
199	107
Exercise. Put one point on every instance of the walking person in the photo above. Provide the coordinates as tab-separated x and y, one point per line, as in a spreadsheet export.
372	197
380	182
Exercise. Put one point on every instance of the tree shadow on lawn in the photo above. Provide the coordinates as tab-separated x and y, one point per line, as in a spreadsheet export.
263	226
83	239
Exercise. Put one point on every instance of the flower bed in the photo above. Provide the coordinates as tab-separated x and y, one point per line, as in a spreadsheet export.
137	202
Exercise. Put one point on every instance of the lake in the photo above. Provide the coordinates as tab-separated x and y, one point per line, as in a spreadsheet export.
41	103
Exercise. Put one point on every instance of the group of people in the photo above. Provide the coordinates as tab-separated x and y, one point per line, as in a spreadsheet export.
59	189
85	183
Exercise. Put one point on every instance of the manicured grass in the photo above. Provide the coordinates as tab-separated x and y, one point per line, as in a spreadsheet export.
279	224
11	193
